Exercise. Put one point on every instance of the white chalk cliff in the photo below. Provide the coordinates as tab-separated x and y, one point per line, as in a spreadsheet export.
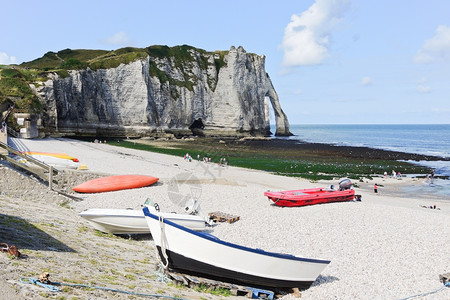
165	94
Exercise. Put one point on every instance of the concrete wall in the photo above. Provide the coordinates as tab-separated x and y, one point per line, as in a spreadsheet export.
28	124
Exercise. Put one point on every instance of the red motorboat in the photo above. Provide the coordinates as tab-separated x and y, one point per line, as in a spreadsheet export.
313	196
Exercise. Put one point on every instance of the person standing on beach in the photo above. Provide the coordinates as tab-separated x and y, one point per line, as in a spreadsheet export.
375	188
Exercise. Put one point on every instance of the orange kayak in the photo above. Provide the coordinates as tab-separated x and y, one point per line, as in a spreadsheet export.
115	183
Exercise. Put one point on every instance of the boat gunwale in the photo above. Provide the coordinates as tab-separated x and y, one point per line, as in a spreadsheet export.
86	214
215	239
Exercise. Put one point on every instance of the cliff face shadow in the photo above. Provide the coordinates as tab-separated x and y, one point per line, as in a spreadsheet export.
24	235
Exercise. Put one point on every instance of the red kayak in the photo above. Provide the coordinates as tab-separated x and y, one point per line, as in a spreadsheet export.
310	196
115	183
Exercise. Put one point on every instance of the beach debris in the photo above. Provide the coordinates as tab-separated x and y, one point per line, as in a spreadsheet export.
82	167
43	278
218	216
445	278
430	206
13	250
296	293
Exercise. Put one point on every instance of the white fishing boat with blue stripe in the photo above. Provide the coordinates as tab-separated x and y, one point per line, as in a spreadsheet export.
202	254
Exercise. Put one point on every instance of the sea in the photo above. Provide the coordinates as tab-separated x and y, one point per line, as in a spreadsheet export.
418	138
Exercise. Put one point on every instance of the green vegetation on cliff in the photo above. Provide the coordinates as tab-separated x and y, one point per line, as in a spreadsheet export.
64	59
15	80
14	88
183	58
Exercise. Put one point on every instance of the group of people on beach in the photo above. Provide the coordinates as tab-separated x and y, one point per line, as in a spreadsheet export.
430	178
394	174
397	175
222	162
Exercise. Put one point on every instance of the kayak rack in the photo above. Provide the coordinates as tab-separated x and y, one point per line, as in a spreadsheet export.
40	169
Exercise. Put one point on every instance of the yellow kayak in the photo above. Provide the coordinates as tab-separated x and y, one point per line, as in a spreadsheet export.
58	155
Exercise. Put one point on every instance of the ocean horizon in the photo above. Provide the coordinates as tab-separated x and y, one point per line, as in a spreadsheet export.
427	139
411	138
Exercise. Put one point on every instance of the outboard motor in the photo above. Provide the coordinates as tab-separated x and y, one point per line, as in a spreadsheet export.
345	184
192	207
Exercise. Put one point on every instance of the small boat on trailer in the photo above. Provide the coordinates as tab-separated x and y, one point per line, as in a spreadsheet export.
204	255
313	196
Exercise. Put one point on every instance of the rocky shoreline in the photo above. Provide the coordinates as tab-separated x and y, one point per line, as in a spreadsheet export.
291	157
331	150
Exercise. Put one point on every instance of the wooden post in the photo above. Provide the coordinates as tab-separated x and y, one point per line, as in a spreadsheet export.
50	178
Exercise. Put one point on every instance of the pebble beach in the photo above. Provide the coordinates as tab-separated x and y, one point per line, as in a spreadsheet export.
390	245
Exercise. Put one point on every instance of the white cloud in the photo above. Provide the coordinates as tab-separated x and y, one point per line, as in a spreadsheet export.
422	80
6	60
440	110
436	48
307	37
422	86
424	89
120	38
366	80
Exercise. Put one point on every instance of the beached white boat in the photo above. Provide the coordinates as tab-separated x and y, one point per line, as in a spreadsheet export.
128	221
201	254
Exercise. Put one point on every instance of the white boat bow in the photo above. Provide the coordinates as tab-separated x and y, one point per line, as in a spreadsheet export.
202	254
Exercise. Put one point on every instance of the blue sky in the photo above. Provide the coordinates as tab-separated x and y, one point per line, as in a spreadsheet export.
331	61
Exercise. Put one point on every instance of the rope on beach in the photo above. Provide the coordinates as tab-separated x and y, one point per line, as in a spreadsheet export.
52	287
447	284
49	287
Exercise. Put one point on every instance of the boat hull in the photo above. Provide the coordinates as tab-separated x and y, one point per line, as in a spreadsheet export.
198	268
309	197
204	255
115	183
127	221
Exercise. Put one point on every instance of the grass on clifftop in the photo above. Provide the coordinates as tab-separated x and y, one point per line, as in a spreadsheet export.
306	163
15	80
